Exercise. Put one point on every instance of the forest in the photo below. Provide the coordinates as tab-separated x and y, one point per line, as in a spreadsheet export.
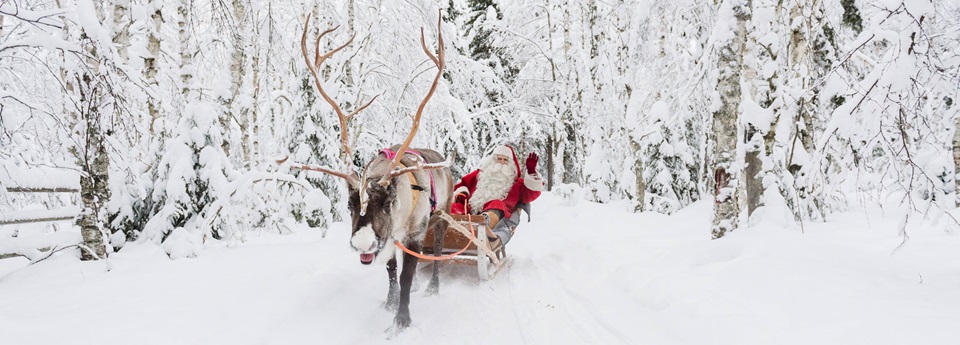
161	121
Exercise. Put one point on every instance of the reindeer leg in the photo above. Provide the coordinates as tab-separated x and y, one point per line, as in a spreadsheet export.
439	230
402	320
393	295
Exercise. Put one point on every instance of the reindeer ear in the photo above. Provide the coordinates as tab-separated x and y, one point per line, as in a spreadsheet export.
351	188
356	181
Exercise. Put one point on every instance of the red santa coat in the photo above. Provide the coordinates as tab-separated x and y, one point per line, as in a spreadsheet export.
523	191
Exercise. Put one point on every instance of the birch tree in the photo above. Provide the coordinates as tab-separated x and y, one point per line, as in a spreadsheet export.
121	28
237	104
760	73
730	36
956	158
151	60
91	99
571	147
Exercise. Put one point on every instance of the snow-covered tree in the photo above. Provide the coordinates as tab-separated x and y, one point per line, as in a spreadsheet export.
730	37
193	170
176	111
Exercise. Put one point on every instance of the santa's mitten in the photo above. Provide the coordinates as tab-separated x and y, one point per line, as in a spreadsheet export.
532	160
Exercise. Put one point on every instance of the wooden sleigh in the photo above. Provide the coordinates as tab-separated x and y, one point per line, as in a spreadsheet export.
466	238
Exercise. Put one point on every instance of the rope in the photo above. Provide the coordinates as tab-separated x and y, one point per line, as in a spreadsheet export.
473	234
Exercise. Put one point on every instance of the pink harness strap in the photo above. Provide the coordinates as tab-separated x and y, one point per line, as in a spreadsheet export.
433	191
391	155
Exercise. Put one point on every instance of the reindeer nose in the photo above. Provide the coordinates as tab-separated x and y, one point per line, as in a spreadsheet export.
370	248
364	240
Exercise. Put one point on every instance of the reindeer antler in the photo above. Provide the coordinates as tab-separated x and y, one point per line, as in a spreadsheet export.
352	179
420	166
438	60
347	155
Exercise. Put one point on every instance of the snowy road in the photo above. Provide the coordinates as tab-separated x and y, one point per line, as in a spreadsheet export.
592	274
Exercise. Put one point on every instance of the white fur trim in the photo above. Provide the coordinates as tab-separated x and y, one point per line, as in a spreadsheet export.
503	150
462	190
534	183
492	184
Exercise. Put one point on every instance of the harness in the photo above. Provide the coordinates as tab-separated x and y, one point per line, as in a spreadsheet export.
413	179
433	207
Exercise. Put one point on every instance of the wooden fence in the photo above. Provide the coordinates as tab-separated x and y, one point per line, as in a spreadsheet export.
24	217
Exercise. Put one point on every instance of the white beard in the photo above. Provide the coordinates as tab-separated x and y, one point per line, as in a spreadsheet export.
493	183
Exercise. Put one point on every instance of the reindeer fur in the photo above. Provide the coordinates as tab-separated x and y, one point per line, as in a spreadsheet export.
391	216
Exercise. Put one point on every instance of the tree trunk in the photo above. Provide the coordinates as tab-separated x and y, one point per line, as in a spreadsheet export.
91	150
253	149
641	185
94	189
956	155
271	75
150	64
551	138
67	81
813	50
550	161
237	71
730	64
571	173
570	97
186	49
760	145
347	66
121	23
753	169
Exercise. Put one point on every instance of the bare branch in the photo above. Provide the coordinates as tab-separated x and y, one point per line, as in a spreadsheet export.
46	19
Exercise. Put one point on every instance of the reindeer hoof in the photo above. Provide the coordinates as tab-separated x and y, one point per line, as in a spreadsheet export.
402	321
433	288
395	330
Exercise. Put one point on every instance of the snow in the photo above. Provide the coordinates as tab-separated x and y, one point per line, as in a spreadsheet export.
12	175
40	40
36	246
12	216
754	114
588	273
87	17
638	79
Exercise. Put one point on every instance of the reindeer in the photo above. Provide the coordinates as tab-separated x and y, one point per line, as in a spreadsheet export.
399	195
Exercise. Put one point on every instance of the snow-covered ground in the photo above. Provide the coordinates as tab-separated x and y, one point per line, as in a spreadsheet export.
579	274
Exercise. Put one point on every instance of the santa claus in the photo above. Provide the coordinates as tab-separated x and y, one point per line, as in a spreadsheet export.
496	189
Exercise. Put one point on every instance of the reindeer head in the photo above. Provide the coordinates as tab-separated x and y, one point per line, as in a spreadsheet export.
377	205
373	209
